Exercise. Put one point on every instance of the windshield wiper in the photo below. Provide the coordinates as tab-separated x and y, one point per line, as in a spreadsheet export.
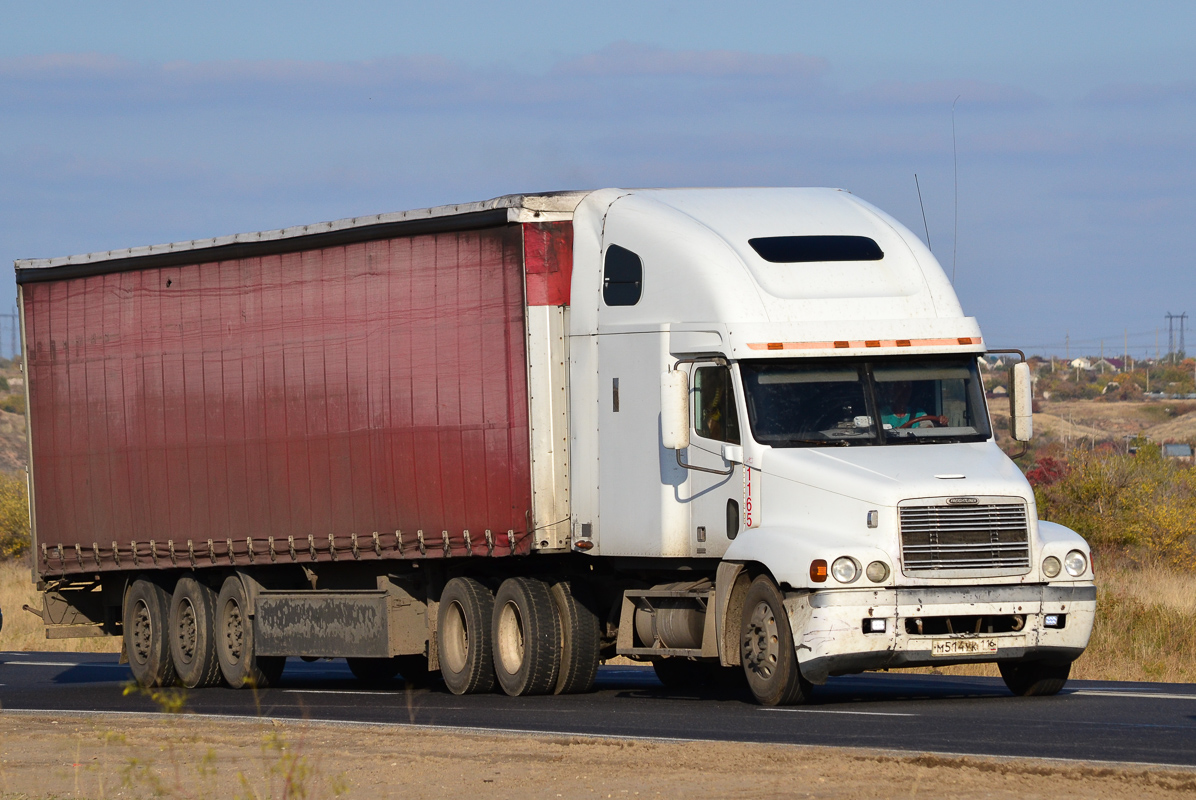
831	442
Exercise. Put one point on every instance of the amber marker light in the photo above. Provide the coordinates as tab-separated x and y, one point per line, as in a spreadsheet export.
818	570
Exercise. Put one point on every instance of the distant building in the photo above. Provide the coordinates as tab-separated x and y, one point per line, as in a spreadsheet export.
1106	365
1178	450
1080	363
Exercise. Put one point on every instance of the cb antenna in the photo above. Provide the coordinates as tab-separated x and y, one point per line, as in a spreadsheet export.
955	159
924	225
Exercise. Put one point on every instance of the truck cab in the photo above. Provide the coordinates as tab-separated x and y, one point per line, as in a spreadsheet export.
783	381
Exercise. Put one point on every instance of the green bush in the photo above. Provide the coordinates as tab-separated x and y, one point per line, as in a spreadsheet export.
1140	503
14	515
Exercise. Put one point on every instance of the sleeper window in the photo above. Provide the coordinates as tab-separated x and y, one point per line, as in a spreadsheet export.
714	405
622	277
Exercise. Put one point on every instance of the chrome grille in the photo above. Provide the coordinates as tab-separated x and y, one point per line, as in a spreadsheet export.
976	537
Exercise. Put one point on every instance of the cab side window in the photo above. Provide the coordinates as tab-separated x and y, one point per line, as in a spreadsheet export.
622	277
714	405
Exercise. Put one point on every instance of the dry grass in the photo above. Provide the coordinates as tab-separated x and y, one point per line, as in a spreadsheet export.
24	631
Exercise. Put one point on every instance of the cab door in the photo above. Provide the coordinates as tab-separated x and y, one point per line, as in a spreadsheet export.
715	499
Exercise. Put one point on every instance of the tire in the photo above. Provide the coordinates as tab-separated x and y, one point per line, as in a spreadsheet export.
193	634
527	637
374	671
463	637
145	615
581	638
766	648
239	662
1034	678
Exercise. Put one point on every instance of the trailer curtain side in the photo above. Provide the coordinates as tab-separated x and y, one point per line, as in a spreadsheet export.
351	402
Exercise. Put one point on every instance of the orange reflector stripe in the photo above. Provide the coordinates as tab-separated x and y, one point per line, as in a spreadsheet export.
818	571
841	345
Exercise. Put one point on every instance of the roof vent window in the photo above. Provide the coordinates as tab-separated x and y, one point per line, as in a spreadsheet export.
804	249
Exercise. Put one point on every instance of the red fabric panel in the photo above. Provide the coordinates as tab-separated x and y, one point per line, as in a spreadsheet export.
548	254
372	388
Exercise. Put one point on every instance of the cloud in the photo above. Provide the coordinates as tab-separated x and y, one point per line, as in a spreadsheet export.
629	60
915	94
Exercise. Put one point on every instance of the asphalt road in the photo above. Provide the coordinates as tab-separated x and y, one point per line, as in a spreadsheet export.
1095	721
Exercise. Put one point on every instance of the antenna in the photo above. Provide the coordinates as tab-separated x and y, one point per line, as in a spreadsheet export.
955	160
924	225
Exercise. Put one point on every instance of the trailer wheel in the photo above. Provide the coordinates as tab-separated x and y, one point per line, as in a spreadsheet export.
463	637
147	608
766	648
239	663
193	633
527	637
1035	678
581	643
374	671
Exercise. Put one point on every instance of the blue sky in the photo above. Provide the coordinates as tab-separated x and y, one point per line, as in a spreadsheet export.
133	123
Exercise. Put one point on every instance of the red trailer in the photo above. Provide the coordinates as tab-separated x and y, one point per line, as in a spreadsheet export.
294	411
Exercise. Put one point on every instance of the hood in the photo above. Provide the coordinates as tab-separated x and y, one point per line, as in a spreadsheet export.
886	475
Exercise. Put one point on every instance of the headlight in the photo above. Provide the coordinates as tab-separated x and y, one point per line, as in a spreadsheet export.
877	571
1075	563
845	569
1051	566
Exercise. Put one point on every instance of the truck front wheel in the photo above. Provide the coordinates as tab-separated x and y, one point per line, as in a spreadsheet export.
239	661
1034	678
766	648
463	637
193	634
147	608
527	637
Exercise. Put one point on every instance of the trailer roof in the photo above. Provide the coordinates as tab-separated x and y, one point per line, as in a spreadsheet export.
542	207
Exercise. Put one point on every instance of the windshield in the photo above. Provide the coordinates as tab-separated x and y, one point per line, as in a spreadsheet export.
804	403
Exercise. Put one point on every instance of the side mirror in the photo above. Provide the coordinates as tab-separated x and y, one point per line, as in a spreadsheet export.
674	409
1021	403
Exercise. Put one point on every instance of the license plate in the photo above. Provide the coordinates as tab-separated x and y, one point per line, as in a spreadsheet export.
962	647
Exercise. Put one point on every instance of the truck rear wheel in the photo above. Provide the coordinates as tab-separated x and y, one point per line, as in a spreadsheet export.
193	633
527	637
580	638
766	648
147	608
1035	678
239	663
463	637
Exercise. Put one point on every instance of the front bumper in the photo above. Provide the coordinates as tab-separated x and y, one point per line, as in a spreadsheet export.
829	626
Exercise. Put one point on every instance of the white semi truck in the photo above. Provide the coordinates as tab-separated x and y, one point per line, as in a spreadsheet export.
733	428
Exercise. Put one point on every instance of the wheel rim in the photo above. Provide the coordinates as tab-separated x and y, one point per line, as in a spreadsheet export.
143	632
455	637
510	638
234	631
761	643
187	631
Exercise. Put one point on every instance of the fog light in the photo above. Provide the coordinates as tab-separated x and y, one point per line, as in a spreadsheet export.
874	626
1054	621
1051	566
1075	563
845	569
818	571
877	571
